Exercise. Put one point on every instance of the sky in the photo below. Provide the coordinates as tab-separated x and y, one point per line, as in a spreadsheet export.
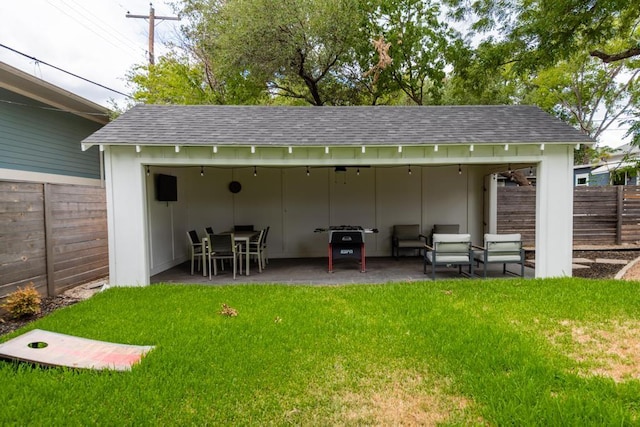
91	38
94	39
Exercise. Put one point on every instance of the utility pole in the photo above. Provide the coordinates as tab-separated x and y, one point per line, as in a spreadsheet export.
152	25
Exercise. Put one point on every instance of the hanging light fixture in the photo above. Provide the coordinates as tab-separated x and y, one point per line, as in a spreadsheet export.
459	169
201	170
409	170
255	171
358	172
148	170
308	173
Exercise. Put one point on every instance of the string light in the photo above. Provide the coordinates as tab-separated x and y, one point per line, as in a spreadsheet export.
201	170
255	172
409	170
148	170
510	168
308	173
459	170
358	172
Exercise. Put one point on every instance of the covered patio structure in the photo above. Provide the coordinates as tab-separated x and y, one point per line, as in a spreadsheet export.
301	168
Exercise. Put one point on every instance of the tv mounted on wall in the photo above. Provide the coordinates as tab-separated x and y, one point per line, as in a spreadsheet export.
166	188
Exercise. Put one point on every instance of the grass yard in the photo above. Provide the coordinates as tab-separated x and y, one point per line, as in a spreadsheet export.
495	352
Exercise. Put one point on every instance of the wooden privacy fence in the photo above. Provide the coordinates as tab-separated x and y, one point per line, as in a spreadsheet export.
601	215
53	235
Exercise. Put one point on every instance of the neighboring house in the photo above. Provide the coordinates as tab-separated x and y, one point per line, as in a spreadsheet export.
50	190
300	168
603	173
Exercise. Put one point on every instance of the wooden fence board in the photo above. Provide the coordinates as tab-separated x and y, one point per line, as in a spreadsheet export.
605	215
52	234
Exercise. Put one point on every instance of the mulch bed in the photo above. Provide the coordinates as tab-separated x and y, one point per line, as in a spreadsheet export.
597	271
48	305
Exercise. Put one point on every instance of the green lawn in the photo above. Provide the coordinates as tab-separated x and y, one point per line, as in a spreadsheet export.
495	352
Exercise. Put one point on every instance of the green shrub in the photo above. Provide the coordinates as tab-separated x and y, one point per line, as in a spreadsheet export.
23	302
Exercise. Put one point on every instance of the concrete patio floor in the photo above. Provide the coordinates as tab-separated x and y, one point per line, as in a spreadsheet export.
314	271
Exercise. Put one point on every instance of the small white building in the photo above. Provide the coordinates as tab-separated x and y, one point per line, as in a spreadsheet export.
301	168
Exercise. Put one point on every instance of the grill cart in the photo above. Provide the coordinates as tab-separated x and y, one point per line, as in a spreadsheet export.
347	242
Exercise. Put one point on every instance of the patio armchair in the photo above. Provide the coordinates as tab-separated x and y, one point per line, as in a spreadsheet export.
501	249
449	250
196	249
407	237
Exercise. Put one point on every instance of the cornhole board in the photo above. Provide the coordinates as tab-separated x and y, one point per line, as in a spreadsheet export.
54	349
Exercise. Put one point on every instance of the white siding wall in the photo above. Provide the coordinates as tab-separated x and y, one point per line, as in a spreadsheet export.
294	204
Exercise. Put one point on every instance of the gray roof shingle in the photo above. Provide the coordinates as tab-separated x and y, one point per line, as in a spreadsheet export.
331	126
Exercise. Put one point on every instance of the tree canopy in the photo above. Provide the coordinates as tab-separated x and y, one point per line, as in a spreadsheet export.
577	59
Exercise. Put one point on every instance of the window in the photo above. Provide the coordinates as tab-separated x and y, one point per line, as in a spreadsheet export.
582	179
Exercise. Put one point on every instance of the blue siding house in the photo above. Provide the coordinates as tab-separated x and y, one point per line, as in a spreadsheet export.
41	126
603	173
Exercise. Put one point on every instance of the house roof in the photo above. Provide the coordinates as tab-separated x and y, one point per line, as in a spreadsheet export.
22	83
334	126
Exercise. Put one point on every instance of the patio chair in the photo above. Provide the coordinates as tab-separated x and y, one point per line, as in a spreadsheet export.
501	249
196	248
209	231
223	247
443	229
407	237
255	248
449	250
265	256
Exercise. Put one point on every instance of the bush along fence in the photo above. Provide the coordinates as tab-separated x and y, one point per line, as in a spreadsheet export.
53	235
601	215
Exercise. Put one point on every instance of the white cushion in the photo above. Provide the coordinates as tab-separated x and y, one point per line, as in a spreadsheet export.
451	238
448	259
497	257
516	237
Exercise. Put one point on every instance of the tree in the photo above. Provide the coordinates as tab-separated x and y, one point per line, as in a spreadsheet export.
541	32
314	52
417	43
176	79
295	48
586	92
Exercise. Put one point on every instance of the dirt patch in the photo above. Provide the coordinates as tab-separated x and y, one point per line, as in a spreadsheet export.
400	402
602	270
611	349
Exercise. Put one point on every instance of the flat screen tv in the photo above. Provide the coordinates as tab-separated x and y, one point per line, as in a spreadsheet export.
166	188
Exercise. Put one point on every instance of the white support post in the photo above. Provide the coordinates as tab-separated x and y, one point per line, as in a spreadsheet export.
126	216
554	212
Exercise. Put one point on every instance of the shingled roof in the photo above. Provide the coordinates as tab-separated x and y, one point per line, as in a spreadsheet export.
335	126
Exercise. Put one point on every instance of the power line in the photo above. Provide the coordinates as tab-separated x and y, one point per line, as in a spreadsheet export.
110	30
65	71
86	26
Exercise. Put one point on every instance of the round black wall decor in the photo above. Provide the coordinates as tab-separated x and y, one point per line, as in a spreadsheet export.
235	187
